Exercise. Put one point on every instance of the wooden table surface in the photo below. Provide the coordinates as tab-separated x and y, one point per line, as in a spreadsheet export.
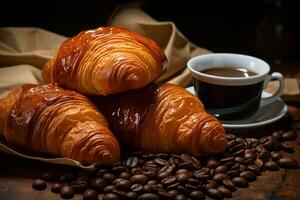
16	176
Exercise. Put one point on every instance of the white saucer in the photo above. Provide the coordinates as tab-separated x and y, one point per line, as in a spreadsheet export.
266	114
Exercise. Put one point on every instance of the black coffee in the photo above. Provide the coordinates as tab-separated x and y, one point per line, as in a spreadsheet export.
229	72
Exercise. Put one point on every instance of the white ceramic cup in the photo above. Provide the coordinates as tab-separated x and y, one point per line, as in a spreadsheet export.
232	97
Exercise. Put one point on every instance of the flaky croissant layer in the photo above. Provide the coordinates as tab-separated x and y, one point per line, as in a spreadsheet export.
163	118
106	60
48	119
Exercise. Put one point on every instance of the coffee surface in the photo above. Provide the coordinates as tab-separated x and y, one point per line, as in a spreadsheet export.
229	72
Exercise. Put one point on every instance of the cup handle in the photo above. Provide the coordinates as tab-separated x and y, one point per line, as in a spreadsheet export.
274	97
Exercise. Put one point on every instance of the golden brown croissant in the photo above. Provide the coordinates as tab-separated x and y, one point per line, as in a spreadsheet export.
106	60
162	118
48	119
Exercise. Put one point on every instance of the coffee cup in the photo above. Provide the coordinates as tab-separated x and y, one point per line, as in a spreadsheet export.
230	85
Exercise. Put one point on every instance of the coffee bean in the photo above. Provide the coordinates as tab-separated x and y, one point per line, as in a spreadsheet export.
271	166
288	163
201	172
109	177
79	185
163	155
210	184
212	163
180	197
258	163
196	162
55	188
173	193
230	136
111	196
67	192
50	177
197	195
278	135
249	175
250	155
152	182
125	175
226	160
214	193
169	180
165	195
221	169
239	152
173	186
163	175
287	147
194	181
276	156
136	187
242	168
289	136
271	144
150	174
123	185
39	184
240	182
118	169
131	196
186	165
182	189
67	177
101	172
235	166
137	170
150	167
181	177
224	191
229	184
233	173
220	177
168	169
132	162
109	188
148	156
98	184
90	195
139	178
161	161
148	188
149	196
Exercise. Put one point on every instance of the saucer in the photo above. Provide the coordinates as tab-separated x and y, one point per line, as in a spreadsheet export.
266	114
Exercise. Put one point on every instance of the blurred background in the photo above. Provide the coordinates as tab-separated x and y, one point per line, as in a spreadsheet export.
269	29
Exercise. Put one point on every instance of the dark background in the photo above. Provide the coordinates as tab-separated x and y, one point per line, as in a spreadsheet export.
269	29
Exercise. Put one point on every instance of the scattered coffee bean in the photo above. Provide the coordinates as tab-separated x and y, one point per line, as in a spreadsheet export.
212	163
90	195
111	196
150	174
220	177
109	188
131	196
229	184
149	196
221	169
67	192
125	175
197	195
56	187
39	184
136	187
50	177
180	197
289	136
79	185
288	163
164	195
224	191
214	193
249	175
240	181
98	184
139	178
132	162
101	172
276	156
173	193
123	185
161	161
287	147
271	166
181	177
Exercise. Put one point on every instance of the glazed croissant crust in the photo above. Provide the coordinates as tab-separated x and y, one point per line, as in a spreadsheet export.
48	119
162	118
106	60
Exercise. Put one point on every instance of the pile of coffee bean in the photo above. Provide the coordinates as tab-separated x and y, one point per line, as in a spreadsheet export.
149	176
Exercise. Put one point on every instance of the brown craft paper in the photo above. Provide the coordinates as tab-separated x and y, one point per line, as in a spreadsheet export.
23	51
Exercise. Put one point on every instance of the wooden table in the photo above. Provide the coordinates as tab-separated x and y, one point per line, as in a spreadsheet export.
16	177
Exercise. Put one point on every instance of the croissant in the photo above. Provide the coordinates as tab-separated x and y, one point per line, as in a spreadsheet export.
106	60
48	119
162	118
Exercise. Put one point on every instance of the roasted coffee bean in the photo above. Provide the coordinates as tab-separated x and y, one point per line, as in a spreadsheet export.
230	136
238	146
249	175
212	163
169	180
168	168
288	163
150	167
287	147
117	180
165	195
224	191
109	188
173	193
259	148
253	168
229	184
197	195
150	174
186	165
98	184
137	170
240	182
229	164
190	186
39	184
233	173
173	161
258	163
67	192
148	156
271	166
196	162
132	162
210	184
161	161
118	169
90	195
163	175
226	160
194	181
277	135
67	177
149	196
173	186
182	189
108	177
111	196
139	178
79	186
220	177
148	188
271	144
239	152
250	155
55	188
131	196
180	197
242	168
120	193
264	154
157	187
263	140
289	136
136	187
152	182
276	156
235	166
221	169
125	175
50	177
185	158
123	185
163	155
101	172
181	177
199	173
214	193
